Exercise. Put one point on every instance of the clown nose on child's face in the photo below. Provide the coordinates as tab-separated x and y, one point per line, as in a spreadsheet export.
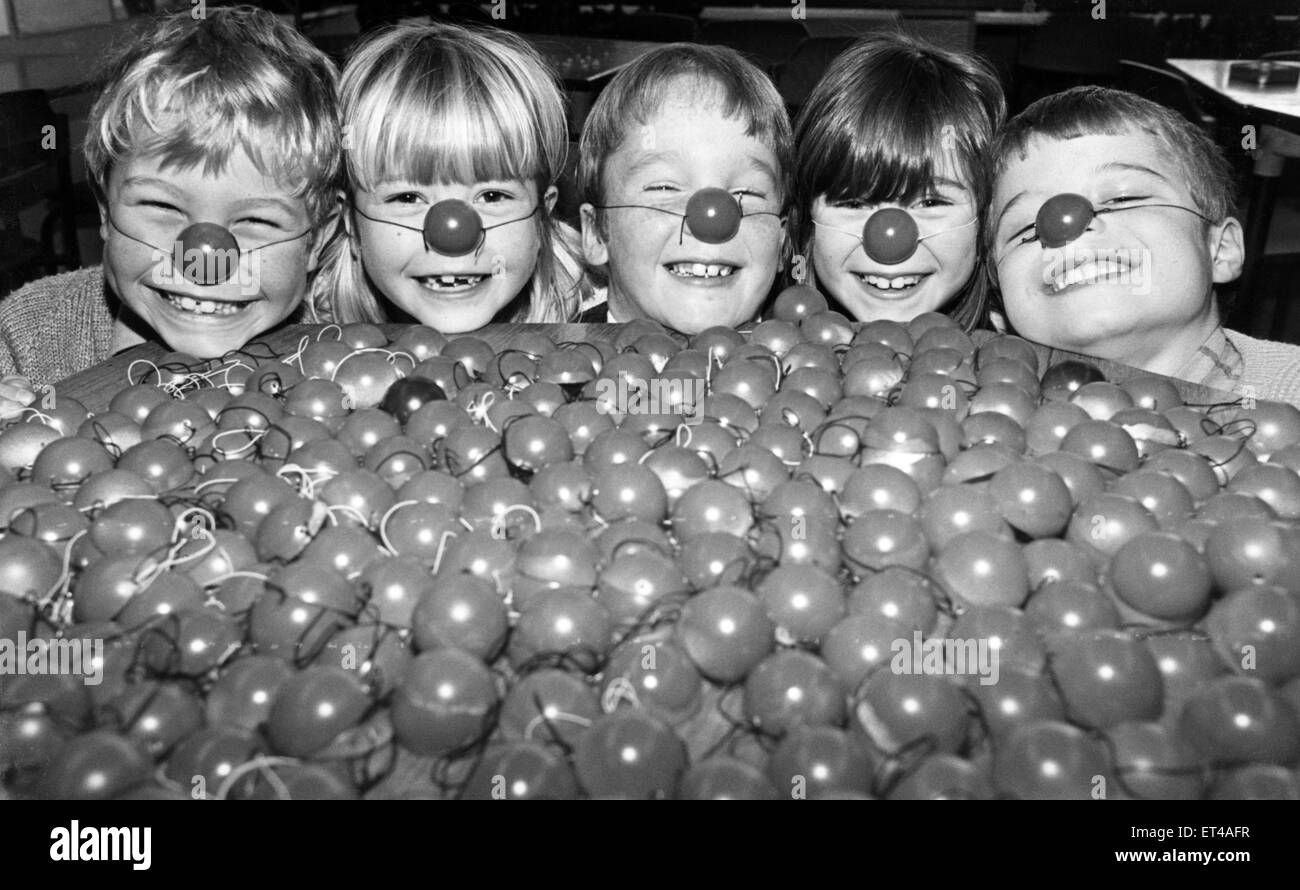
713	216
1063	218
214	251
453	228
890	236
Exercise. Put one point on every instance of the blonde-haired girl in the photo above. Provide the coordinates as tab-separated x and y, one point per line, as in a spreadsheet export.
454	138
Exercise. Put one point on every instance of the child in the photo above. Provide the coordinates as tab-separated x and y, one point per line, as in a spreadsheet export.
683	174
863	145
1125	265
454	140
219	133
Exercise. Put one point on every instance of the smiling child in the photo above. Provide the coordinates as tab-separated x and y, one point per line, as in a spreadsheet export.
455	139
683	174
220	133
1124	260
897	125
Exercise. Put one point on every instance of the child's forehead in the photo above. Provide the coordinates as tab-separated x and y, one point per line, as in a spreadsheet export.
1095	152
633	157
948	170
679	134
1044	163
238	174
687	103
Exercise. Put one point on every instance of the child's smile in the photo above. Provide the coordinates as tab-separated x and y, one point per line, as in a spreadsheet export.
202	306
891	286
703	272
449	284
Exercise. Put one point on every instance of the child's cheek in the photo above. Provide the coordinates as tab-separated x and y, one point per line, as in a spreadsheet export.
967	257
1021	291
125	264
286	288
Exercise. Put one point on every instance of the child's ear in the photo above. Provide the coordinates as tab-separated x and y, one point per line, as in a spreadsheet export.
594	249
103	219
100	193
552	195
1227	250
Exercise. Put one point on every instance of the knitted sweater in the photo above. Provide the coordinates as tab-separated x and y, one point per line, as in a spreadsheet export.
56	326
1271	370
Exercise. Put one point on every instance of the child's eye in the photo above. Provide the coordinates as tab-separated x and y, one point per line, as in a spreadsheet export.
661	187
162	205
496	196
404	198
934	201
850	204
261	221
1126	198
749	193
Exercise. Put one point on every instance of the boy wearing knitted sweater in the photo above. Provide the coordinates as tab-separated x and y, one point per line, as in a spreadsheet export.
1109	228
214	153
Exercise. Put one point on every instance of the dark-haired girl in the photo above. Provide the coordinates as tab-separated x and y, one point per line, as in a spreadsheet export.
897	124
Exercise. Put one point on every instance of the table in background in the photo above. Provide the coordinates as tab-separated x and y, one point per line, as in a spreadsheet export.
1276	115
96	386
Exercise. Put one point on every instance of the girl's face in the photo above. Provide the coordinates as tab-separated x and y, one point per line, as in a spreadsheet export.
452	294
926	281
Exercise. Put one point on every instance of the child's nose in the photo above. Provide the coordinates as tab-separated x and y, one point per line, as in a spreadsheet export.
890	236
713	216
1063	218
453	228
208	254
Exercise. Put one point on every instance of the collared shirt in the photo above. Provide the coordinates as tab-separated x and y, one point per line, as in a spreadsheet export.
1217	363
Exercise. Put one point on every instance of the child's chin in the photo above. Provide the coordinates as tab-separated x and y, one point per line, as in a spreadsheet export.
694	324
456	322
691	319
1089	339
214	342
213	345
886	312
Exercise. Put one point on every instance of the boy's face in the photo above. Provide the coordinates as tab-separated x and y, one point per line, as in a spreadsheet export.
655	269
452	294
155	202
924	282
1135	282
